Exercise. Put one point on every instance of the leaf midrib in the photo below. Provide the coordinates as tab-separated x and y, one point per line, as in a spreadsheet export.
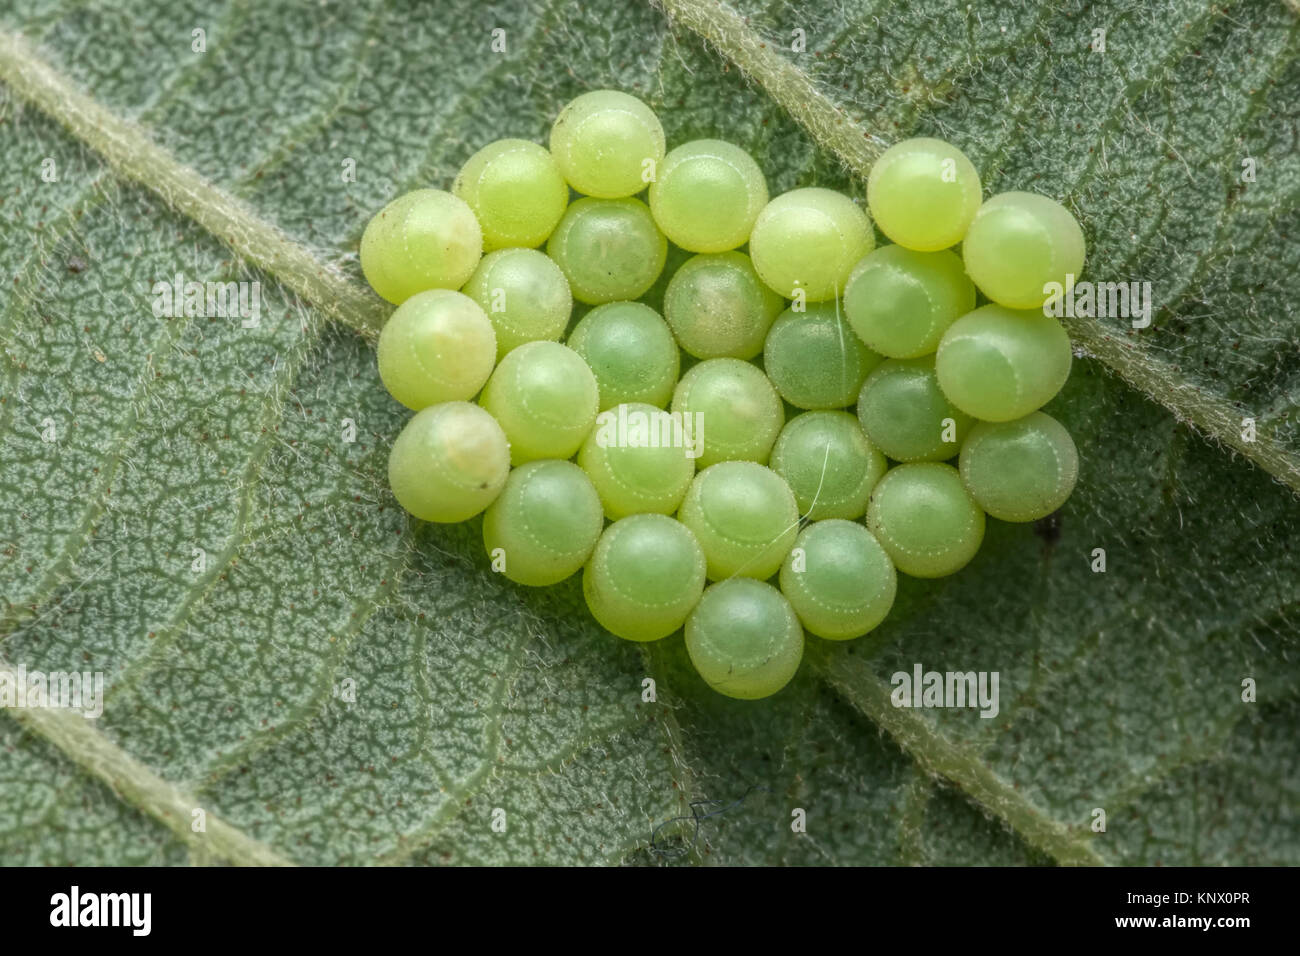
137	786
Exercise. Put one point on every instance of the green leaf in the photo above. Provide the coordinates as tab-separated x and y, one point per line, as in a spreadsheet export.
331	683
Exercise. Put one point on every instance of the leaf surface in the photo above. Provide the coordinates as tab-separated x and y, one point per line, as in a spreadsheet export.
227	677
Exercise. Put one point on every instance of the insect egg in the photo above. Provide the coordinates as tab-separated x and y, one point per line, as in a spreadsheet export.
923	193
630	350
744	516
449	462
998	364
815	360
524	294
735	411
839	580
829	464
645	577
707	195
1020	470
901	302
1020	242
636	460
608	249
744	639
809	239
607	144
426	239
545	398
907	416
718	307
437	346
544	523
515	190
925	519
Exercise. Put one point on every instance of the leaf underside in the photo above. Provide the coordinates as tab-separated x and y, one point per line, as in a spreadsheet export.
1119	690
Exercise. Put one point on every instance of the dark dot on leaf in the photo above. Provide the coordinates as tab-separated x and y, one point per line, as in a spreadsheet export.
1049	528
